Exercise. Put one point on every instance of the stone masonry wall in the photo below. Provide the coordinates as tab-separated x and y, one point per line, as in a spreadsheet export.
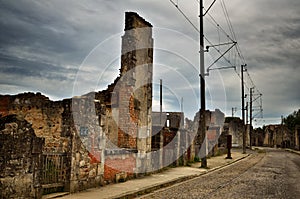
85	127
110	119
20	159
88	144
44	115
136	83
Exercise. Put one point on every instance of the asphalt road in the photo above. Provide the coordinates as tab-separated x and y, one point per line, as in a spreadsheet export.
274	174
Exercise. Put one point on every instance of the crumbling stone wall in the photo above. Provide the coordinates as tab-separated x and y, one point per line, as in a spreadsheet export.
44	115
116	118
136	84
214	124
88	143
278	136
258	137
85	127
170	141
20	159
297	137
235	127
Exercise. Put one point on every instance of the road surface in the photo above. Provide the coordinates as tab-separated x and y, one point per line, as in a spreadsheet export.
274	174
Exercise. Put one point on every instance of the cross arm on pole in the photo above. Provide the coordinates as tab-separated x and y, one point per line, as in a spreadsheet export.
209	7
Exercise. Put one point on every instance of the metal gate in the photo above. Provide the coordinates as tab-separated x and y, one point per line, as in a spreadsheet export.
54	172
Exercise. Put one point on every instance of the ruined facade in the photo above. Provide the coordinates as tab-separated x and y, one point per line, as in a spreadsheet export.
101	135
47	118
257	137
214	124
297	137
20	159
234	126
170	140
278	136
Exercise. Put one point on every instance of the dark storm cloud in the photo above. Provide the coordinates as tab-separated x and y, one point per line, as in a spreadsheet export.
271	40
31	68
48	40
43	43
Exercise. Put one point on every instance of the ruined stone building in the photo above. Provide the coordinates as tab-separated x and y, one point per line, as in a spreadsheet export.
234	126
170	139
20	158
257	138
97	138
297	137
278	136
214	124
88	140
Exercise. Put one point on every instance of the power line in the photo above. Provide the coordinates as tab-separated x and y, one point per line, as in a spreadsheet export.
196	28
185	16
237	55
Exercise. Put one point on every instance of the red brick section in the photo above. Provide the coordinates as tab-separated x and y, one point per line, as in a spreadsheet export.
115	165
127	119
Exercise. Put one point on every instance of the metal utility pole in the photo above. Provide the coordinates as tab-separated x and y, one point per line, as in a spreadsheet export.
161	134
243	108
250	130
160	102
281	128
201	133
247	107
202	90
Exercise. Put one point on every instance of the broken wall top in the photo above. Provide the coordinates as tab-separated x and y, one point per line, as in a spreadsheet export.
133	20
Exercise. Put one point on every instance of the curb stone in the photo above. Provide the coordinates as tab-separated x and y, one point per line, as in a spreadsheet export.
293	151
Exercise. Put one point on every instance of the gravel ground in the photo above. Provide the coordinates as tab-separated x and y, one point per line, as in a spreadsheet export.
274	174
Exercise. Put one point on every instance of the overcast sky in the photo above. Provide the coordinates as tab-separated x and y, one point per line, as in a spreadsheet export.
67	48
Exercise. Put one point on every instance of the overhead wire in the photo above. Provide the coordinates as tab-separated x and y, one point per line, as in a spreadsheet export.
225	11
196	28
232	37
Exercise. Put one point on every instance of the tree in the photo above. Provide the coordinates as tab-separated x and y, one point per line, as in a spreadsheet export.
292	120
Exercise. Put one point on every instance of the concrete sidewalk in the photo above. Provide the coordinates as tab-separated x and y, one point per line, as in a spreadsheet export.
147	184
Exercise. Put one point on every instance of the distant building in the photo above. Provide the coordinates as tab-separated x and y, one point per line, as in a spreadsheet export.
297	137
258	137
214	124
234	126
169	138
277	135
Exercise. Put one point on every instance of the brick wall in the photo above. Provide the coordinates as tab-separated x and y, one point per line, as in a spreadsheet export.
128	118
117	163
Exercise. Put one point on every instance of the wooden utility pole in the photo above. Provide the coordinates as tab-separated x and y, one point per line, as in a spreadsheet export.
202	121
